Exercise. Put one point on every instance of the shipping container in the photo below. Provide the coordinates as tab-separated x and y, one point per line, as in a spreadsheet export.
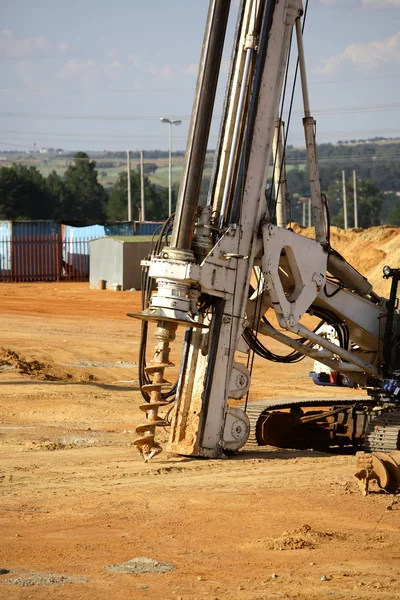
36	258
117	229
146	227
75	255
27	229
5	230
5	249
30	250
89	232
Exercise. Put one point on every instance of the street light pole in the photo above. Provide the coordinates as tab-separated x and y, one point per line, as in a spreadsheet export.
170	122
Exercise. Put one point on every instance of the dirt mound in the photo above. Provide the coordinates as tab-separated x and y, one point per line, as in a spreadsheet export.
367	250
40	370
304	537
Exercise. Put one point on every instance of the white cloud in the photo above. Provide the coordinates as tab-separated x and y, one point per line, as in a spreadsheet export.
63	47
366	3
366	57
114	65
26	71
85	69
113	69
166	72
192	69
382	3
111	53
10	47
133	60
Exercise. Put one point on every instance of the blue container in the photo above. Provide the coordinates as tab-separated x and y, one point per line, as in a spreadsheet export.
75	248
90	232
5	230
147	227
124	228
5	248
30	229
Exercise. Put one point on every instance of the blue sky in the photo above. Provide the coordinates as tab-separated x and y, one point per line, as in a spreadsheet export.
93	75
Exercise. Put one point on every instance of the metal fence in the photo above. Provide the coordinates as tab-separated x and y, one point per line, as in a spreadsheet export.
44	258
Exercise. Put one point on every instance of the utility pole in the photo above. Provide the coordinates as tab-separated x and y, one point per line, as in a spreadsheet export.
309	212
355	199
170	122
128	168
344	200
142	213
304	213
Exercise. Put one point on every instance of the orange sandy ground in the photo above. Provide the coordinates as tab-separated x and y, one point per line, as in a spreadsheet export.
76	497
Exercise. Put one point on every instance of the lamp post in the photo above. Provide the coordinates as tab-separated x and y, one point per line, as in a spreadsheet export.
170	122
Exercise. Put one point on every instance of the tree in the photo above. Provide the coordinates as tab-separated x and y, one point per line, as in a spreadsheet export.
56	188
24	194
85	198
147	168
117	208
394	214
369	204
156	199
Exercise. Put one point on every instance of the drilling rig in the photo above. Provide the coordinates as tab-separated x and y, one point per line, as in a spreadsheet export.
219	269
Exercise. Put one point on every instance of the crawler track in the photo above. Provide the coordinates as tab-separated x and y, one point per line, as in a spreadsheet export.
383	433
254	411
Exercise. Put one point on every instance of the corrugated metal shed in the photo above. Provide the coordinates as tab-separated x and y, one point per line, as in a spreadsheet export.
116	261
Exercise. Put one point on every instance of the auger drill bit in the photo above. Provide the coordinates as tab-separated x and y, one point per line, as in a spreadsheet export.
380	467
146	444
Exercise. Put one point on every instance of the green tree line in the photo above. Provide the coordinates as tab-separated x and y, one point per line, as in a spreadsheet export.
377	168
76	196
79	196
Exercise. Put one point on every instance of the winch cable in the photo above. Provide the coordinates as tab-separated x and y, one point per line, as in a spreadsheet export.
258	308
273	213
157	244
265	28
261	350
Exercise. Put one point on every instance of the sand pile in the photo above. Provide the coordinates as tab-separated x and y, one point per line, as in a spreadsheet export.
304	537
367	250
40	370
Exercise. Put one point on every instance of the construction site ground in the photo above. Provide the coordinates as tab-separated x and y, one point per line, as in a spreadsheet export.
76	499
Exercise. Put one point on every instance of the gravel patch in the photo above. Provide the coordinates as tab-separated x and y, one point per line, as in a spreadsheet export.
92	365
33	578
141	564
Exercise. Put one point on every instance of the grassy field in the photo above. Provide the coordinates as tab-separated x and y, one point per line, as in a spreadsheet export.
106	175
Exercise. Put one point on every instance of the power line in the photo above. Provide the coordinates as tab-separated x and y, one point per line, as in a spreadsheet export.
88	117
97	92
55	90
96	137
89	135
328	111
